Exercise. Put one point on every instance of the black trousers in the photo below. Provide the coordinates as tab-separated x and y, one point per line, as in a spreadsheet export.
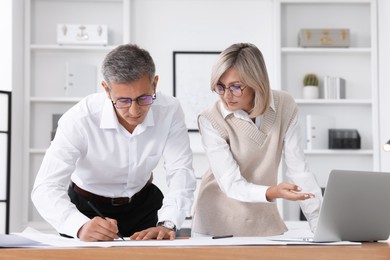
139	214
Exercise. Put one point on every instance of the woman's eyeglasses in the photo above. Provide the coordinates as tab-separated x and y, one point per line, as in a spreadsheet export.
236	90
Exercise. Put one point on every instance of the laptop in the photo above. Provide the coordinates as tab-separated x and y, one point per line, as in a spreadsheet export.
355	207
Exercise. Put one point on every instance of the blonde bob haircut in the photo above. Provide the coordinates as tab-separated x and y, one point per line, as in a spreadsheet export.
247	59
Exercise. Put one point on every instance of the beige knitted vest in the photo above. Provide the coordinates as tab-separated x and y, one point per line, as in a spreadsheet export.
258	152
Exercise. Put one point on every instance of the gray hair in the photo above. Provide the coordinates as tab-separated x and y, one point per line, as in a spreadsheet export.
127	63
249	62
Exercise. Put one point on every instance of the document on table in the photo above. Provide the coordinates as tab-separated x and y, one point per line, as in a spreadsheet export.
18	241
290	238
62	242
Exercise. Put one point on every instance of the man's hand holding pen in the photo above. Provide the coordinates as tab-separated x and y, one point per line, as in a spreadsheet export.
99	229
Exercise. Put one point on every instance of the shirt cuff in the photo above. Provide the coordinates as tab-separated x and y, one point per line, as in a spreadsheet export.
171	214
257	193
73	223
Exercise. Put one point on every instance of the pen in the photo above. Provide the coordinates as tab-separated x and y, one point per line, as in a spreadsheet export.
101	215
218	237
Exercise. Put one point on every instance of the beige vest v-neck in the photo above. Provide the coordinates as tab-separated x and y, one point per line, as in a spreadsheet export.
258	153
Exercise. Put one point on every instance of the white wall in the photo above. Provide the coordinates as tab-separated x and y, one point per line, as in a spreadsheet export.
6	44
6	84
16	219
199	25
384	80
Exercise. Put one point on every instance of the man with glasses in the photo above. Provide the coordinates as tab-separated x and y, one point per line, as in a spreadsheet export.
95	181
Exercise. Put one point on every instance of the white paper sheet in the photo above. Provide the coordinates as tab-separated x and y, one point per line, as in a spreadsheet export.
62	242
289	238
18	241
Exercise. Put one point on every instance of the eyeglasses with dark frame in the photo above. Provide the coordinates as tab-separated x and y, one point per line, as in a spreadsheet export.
236	90
144	100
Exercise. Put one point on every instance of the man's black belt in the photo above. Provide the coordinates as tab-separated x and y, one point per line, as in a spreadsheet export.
107	200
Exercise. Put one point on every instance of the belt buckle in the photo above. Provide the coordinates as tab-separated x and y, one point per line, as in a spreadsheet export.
114	203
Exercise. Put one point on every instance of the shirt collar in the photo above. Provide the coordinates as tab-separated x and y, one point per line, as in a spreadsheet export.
241	113
109	119
148	121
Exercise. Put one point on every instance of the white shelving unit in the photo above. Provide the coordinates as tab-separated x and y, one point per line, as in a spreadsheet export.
45	71
357	64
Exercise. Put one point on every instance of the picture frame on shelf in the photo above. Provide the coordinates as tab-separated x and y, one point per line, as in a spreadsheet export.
191	83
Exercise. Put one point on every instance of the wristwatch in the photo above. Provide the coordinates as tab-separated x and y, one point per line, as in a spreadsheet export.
168	224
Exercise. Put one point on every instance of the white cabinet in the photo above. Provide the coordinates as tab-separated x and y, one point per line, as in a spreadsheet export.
5	153
45	69
357	64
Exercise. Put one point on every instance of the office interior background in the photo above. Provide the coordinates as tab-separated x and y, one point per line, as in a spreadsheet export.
33	68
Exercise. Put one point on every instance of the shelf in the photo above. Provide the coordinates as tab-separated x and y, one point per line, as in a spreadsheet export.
54	47
340	152
299	50
37	151
56	99
92	1
334	101
325	1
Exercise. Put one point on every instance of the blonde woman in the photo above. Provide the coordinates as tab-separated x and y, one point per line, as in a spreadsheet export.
244	135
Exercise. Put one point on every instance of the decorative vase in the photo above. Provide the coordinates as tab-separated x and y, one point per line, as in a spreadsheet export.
311	92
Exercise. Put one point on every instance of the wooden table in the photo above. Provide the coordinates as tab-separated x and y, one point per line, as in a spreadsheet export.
369	251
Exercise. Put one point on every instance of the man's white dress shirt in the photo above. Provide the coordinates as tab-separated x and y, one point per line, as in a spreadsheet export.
99	155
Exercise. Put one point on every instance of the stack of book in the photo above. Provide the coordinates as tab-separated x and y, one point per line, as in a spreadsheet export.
334	88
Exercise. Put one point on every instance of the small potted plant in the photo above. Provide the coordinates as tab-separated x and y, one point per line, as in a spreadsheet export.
311	86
